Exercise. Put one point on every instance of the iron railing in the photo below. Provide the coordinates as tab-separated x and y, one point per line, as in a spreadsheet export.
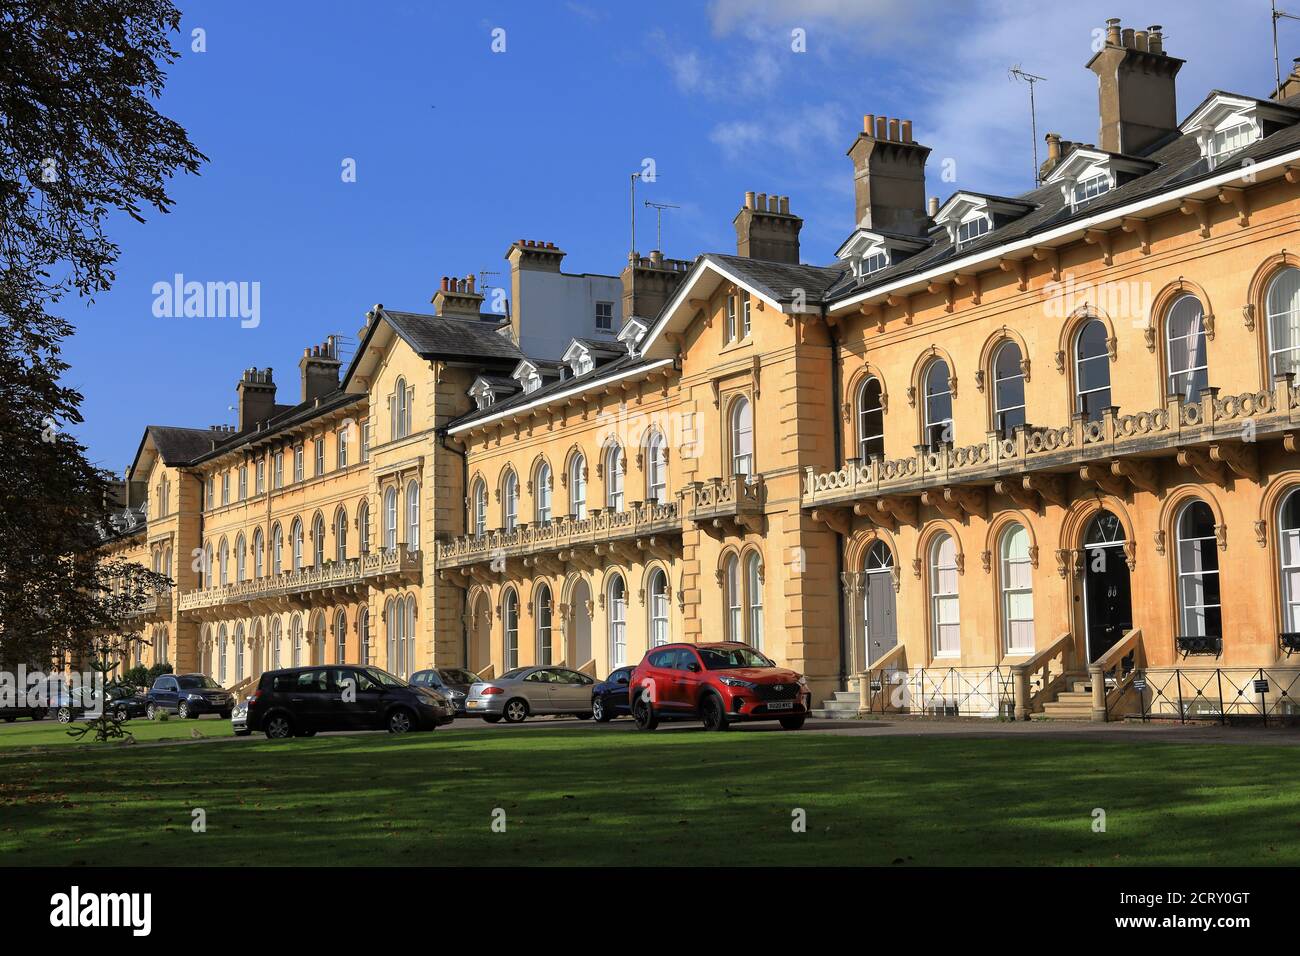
1222	694
942	691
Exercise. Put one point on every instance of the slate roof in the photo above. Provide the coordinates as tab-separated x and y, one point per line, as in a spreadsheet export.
442	337
176	446
779	280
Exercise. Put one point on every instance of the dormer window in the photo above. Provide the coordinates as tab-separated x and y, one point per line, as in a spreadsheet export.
485	398
971	229
532	382
1225	142
1227	123
583	364
871	263
870	251
1090	188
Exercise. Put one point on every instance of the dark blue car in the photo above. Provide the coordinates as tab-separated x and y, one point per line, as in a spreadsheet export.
609	697
188	695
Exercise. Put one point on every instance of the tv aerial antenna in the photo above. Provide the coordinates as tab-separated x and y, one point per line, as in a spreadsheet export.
659	208
1278	15
1019	75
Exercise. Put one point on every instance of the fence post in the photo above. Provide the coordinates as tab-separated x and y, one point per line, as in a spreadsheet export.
1020	686
864	693
1178	676
1223	708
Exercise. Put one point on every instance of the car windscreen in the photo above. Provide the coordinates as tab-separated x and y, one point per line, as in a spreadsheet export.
454	676
385	678
514	674
722	658
190	683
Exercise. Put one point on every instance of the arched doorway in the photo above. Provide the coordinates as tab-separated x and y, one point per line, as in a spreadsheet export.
1107	599
580	630
880	625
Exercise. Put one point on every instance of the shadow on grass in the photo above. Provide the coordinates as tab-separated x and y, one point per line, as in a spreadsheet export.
587	797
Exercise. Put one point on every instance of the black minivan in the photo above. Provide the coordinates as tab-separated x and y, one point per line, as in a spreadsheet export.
299	701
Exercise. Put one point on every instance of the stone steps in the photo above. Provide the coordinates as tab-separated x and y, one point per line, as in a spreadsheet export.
842	706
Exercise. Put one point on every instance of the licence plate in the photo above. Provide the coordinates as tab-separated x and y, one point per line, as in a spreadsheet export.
475	703
780	705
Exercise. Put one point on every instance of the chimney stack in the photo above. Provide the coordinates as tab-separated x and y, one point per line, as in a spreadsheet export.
457	299
528	255
765	229
1136	88
649	281
320	370
256	390
889	177
1290	84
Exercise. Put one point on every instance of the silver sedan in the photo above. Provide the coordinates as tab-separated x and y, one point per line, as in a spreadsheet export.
525	691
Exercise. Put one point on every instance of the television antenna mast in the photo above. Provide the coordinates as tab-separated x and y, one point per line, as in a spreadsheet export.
1015	73
1278	15
659	208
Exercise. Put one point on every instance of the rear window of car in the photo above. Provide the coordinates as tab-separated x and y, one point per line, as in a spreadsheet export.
456	676
511	675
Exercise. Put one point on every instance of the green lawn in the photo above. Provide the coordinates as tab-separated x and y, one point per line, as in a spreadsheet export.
49	732
592	796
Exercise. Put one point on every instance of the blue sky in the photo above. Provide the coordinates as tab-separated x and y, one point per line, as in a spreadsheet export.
460	150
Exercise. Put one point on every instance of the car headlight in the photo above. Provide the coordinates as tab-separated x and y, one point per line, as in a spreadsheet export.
737	682
803	681
193	696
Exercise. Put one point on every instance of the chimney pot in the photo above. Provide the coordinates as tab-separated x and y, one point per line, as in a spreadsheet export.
869	123
761	202
785	205
749	199
1155	41
1140	38
1127	34
932	206
906	131
893	130
882	127
1112	31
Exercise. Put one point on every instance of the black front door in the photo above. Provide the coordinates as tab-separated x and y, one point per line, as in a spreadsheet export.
1108	606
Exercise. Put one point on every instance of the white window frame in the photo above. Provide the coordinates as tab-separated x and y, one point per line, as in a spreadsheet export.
1008	565
945	606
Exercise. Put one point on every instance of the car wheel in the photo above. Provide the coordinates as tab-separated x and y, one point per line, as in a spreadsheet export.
279	727
712	713
516	711
793	722
121	714
644	715
40	714
151	712
64	715
400	721
183	710
492	718
598	711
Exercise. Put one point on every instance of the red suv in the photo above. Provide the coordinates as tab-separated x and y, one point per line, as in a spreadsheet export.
718	684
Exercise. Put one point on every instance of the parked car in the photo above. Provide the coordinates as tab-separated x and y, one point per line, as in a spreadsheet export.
451	682
526	691
239	719
300	701
125	702
10	714
188	695
718	684
609	697
69	703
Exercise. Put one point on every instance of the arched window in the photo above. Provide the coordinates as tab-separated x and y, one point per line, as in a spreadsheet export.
277	548
938	405
542	493
1008	389
542	615
318	639
241	558
167	562
224	562
390	520
871	420
162	651
239	653
510	501
277	634
317	541
754	594
413	516
945	611
296	542
340	637
363	635
614	478
209	567
1288	553
578	487
400	403
656	474
1017	591
616	599
1185	345
341	535
363	527
1199	606
742	437
658	608
295	640
1091	371
222	638
732	596
479	520
259	556
408	666
1284	323
510	620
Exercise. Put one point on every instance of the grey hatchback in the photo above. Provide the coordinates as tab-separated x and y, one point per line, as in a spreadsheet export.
526	691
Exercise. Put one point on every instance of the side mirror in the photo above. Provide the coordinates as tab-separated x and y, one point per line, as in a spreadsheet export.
693	667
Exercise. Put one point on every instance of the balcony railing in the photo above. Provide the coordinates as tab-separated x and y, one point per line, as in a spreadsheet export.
332	574
155	605
1177	427
720	502
560	534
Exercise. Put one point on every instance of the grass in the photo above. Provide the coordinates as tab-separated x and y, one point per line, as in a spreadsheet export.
49	732
599	797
